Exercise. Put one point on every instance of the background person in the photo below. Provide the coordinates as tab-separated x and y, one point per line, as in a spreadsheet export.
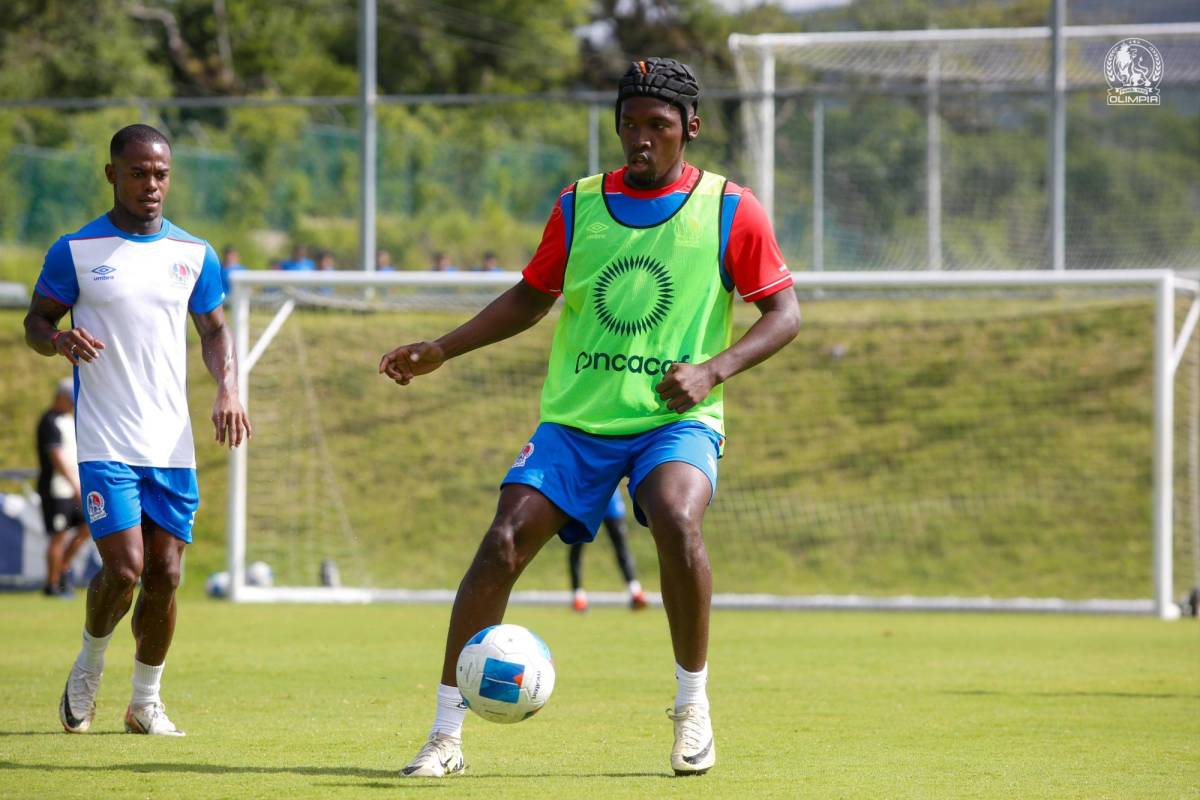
58	488
441	263
614	523
299	261
231	261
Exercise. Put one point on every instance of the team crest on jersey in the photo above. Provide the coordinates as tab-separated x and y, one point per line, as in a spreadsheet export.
180	274
524	455
95	507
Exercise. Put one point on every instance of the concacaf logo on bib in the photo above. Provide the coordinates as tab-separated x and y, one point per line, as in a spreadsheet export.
95	507
1133	69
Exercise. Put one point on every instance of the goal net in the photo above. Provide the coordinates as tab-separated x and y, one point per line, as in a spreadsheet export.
932	149
1005	440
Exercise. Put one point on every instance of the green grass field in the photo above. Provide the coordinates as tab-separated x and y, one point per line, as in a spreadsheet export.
330	702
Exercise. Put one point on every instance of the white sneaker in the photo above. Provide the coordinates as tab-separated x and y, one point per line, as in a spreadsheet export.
694	752
440	757
78	704
151	720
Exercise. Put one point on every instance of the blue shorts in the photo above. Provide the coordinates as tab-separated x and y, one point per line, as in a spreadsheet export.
116	495
579	471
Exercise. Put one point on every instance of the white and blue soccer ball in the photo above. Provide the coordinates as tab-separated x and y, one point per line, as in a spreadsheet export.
217	585
505	673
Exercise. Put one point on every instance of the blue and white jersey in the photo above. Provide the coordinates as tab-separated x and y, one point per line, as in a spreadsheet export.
133	293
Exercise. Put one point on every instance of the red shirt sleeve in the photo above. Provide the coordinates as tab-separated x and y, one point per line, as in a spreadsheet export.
752	256
546	270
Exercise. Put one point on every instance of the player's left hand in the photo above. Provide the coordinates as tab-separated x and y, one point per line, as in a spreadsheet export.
685	385
230	420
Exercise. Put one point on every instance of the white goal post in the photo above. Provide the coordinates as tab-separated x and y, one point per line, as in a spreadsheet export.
266	303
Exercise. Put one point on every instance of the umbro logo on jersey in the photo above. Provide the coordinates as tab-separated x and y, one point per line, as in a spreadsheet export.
103	272
596	230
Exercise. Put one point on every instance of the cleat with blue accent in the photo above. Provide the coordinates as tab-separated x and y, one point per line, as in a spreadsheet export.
440	757
695	751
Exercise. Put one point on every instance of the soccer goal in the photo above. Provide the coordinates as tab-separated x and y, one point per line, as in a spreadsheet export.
997	441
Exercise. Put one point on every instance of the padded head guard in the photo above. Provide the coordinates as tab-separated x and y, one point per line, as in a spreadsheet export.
664	79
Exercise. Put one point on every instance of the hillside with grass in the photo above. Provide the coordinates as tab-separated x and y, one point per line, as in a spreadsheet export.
980	446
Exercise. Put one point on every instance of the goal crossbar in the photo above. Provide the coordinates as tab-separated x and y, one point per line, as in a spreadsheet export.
1168	346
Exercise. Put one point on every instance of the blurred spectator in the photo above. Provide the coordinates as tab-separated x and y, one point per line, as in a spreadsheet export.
325	263
58	487
299	262
383	262
490	263
275	263
231	260
441	263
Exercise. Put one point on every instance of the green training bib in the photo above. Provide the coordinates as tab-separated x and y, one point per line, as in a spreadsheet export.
637	300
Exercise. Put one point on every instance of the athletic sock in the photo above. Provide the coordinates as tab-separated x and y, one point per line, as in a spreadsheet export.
581	594
451	711
691	687
635	588
91	655
146	682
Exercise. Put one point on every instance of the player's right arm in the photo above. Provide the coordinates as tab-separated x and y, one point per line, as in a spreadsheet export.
43	336
516	310
57	288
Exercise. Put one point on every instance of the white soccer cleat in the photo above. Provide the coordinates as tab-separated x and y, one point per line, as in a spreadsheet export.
77	707
695	751
440	757
151	720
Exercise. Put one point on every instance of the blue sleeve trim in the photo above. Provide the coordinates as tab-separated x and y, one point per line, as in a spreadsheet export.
729	206
58	280
207	294
567	203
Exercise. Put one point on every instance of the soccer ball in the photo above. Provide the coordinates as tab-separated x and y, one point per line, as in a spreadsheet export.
259	573
505	673
217	585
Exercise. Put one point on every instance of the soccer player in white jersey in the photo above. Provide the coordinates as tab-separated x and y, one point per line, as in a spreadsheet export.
129	279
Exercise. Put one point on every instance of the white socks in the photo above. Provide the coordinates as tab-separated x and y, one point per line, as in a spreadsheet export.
635	588
451	711
691	689
91	656
146	681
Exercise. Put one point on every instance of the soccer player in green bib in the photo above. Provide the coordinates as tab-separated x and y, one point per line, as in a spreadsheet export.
647	260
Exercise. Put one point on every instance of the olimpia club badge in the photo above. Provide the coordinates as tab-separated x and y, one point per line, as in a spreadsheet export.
1133	69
